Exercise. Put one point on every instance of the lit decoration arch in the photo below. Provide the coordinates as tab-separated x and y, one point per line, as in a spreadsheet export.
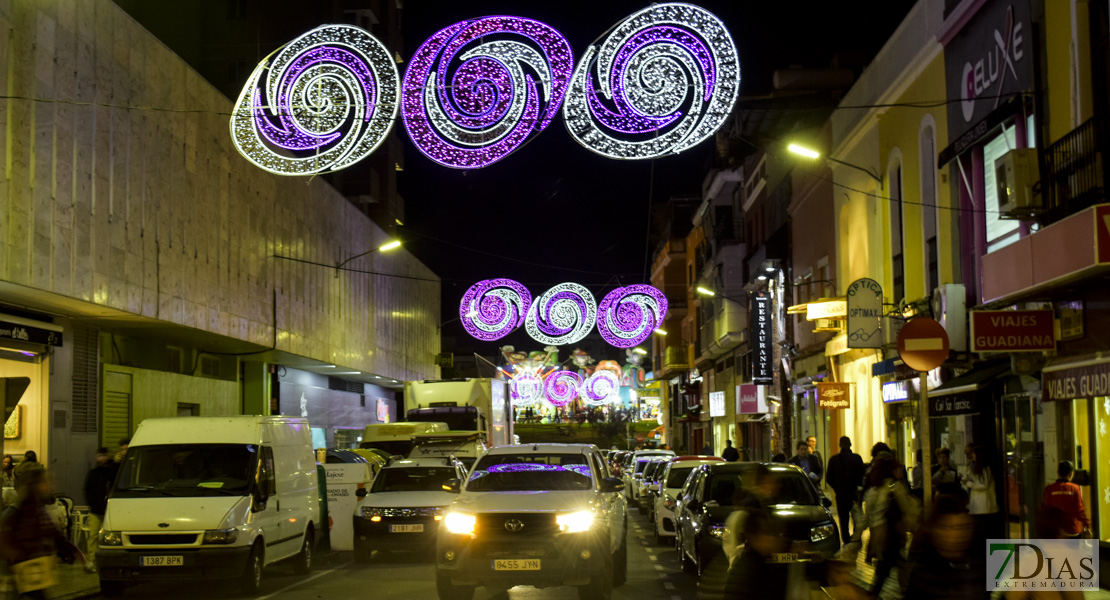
319	104
660	81
564	314
492	308
477	90
601	388
527	389
628	315
561	387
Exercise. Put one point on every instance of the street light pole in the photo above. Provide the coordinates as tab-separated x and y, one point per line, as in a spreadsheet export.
813	154
383	248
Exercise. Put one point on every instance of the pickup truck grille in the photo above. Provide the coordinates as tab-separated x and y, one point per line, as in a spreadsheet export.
516	524
394	513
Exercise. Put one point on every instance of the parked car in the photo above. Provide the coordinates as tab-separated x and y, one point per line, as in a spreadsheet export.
634	470
643	484
535	514
404	506
672	476
714	491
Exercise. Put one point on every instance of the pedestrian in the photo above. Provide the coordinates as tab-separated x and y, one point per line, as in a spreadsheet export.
7	473
123	444
892	512
1066	496
982	501
707	450
779	457
943	563
730	454
98	483
808	463
763	492
29	458
752	576
843	476
811	441
29	539
946	480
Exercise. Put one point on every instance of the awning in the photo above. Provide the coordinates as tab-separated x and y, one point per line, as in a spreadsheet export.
961	396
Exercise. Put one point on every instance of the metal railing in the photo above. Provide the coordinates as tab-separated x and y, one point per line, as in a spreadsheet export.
1073	177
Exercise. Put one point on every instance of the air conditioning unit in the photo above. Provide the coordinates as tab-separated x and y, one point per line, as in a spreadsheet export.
1014	175
949	309
891	326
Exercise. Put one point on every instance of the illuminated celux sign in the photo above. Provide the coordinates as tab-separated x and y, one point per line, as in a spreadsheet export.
564	314
659	82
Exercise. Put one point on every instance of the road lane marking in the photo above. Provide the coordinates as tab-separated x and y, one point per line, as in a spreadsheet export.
653	557
668	585
302	582
658	567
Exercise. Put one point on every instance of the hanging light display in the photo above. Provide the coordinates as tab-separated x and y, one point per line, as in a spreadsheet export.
561	387
526	389
628	315
564	314
475	91
603	387
660	81
321	103
492	308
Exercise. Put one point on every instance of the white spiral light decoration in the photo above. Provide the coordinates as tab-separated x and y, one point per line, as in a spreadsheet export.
564	314
526	388
493	308
561	387
603	387
321	103
628	315
661	81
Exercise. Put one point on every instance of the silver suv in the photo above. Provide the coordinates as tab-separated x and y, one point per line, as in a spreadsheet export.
536	514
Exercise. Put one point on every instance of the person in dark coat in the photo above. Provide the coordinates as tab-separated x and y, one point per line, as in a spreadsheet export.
808	463
730	454
98	483
751	576
26	530
844	474
943	561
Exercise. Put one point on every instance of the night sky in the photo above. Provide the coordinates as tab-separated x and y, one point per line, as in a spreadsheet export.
554	211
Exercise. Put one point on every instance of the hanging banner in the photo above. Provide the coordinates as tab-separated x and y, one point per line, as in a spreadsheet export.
834	396
762	351
865	314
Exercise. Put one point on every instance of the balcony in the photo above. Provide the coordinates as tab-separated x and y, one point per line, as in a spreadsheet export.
676	358
1073	177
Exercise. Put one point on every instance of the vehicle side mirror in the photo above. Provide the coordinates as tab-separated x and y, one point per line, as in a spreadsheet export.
453	485
360	492
826	501
612	484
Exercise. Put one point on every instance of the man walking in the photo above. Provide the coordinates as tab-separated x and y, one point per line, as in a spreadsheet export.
1067	497
98	483
845	473
730	454
808	463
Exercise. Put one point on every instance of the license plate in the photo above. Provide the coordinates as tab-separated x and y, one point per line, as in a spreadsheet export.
524	564
785	557
161	561
406	528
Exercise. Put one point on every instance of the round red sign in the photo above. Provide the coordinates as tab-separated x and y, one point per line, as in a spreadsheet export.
923	344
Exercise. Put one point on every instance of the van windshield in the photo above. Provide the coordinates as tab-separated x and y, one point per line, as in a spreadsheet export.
186	470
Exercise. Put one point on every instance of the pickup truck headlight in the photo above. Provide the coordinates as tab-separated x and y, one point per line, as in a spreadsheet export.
575	522
372	513
668	503
821	532
111	538
717	531
221	536
460	523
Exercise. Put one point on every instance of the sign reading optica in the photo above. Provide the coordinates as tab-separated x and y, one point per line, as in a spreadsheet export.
865	314
1012	331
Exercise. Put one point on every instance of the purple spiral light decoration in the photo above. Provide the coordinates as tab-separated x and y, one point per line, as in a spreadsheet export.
476	90
526	389
661	81
628	315
564	314
600	388
492	308
561	387
321	103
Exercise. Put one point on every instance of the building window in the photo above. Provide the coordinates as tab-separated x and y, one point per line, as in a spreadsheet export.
929	208
897	251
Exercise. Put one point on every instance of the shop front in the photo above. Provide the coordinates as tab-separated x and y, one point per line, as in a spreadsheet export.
26	348
753	427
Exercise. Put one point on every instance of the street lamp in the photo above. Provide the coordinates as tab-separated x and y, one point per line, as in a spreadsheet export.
386	247
710	293
814	155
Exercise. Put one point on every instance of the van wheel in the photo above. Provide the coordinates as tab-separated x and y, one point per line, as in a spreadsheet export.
302	562
449	591
111	588
251	581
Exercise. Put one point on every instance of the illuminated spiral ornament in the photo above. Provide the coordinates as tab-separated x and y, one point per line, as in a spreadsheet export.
561	387
475	91
564	314
526	389
603	387
661	81
492	308
319	104
628	315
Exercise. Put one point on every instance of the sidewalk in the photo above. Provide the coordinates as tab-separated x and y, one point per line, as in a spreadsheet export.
73	583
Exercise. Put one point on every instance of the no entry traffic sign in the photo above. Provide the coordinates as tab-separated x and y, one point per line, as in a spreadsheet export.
923	344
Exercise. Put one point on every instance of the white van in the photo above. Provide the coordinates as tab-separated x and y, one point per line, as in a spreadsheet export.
396	438
211	497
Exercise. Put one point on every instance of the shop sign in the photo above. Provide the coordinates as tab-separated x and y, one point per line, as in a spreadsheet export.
837	345
30	334
751	399
762	352
834	396
1012	331
1071	320
922	344
1077	382
865	314
716	404
953	405
829	309
900	391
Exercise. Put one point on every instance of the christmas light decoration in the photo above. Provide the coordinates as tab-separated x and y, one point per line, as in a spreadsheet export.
475	91
660	81
628	315
321	103
600	388
564	314
561	387
526	389
492	308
